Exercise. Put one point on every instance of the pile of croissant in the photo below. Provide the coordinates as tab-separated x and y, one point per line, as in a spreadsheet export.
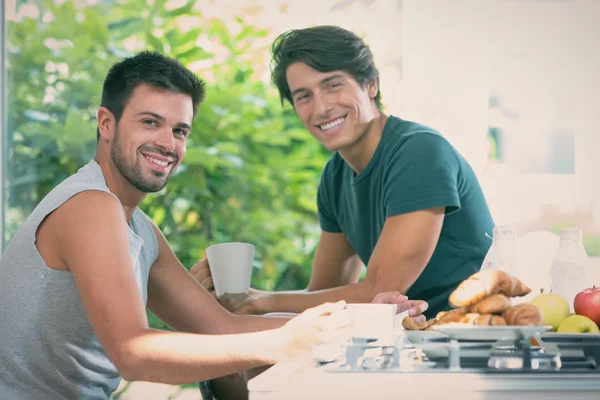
484	299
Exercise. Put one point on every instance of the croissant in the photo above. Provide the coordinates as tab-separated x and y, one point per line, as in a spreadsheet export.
469	318
489	319
482	319
411	325
455	315
485	283
494	304
523	315
425	326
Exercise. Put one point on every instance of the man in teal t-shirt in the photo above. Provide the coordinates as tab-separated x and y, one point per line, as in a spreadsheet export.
395	196
413	168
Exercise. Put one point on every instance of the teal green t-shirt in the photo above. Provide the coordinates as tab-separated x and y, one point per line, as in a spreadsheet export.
413	168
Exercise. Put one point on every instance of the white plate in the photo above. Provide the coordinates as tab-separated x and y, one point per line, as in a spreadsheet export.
423	336
567	335
475	332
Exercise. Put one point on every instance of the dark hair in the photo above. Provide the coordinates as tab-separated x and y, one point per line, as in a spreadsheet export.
324	48
150	68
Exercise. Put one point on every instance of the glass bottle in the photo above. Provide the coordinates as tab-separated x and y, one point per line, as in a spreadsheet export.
568	270
502	252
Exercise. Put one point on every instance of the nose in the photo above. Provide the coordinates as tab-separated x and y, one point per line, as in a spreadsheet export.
166	140
321	104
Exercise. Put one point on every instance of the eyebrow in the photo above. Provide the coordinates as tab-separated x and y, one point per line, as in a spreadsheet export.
323	81
161	118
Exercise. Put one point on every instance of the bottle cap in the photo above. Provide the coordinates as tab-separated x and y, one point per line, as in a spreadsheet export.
505	232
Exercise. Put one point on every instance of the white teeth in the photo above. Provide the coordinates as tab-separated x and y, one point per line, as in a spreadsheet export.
157	162
332	124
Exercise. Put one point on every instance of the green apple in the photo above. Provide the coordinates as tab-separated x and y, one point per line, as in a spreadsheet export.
554	309
578	324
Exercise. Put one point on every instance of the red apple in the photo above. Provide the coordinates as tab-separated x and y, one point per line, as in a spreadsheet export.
587	303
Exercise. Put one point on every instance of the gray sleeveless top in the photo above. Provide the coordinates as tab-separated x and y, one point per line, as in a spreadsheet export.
48	349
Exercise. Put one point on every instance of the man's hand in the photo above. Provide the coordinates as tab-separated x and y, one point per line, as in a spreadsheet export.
239	303
201	272
236	303
327	323
415	307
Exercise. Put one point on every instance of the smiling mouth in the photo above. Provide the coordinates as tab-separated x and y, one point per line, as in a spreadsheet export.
332	125
159	163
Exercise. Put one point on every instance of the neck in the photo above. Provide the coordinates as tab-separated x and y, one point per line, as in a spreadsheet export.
358	154
129	196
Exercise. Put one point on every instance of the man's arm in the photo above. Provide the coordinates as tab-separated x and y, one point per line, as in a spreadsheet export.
93	243
336	263
404	248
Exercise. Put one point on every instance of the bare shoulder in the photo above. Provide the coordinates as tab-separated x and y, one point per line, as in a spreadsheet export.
91	202
89	217
85	208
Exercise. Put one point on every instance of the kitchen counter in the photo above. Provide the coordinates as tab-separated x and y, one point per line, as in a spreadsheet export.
291	381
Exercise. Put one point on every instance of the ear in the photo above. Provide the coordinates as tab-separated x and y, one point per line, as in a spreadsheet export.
372	88
106	123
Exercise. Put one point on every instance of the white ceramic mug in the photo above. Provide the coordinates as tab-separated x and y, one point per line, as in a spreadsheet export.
231	266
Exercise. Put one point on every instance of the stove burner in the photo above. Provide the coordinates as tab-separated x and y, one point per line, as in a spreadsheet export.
503	356
513	357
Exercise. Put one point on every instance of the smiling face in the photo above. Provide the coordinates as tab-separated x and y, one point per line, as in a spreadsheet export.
149	142
333	106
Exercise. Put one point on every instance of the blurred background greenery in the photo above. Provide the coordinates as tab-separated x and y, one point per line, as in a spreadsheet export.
251	170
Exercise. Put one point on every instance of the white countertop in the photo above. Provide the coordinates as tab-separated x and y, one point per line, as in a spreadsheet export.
290	381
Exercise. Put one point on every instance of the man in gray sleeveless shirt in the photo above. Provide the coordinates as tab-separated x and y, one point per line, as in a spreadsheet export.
76	278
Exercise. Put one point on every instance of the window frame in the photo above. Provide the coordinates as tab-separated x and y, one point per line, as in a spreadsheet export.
3	117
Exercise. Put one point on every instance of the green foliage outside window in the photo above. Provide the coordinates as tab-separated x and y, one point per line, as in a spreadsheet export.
251	170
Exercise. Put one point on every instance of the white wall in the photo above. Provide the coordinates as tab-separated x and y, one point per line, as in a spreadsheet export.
448	48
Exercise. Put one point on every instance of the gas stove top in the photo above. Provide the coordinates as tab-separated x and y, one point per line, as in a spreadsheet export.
432	366
555	355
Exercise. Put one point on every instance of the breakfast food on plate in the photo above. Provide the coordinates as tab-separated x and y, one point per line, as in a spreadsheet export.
484	299
427	324
455	315
494	304
490	320
523	314
486	283
469	319
411	325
